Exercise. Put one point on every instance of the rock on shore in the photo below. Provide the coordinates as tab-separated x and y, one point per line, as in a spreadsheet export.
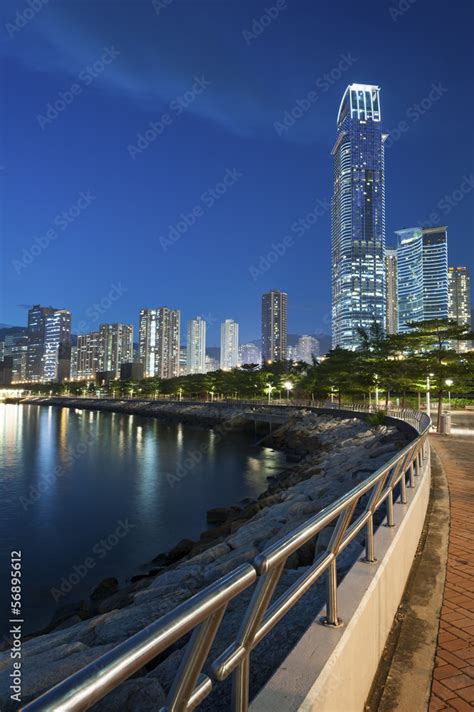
334	455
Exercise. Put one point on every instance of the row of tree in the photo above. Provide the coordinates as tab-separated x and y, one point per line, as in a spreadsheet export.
428	358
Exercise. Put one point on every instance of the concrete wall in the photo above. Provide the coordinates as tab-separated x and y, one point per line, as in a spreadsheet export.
331	669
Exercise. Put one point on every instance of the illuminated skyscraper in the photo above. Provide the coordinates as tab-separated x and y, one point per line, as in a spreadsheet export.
358	216
459	295
459	300
391	290
274	326
196	350
229	344
116	347
49	344
435	272
87	355
159	342
422	275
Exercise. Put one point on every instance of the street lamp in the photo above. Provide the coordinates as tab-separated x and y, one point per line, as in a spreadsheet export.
376	391
449	382
428	395
269	390
288	386
180	393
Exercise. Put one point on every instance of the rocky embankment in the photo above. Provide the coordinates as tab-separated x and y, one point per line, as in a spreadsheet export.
331	456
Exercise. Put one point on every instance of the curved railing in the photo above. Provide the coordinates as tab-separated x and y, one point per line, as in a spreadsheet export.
204	612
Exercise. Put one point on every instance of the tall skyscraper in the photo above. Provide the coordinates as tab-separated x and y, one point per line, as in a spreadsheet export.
36	328
422	275
391	290
196	348
274	325
306	348
87	355
116	346
459	295
435	272
459	301
159	342
229	344
358	216
49	344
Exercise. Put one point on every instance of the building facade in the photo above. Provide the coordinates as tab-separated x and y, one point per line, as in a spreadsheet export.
274	326
116	347
159	342
88	356
16	347
422	275
196	346
391	290
459	301
249	353
48	355
358	216
307	348
459	295
229	345
435	272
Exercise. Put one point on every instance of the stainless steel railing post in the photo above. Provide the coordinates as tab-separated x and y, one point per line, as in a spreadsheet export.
369	544
240	686
390	515
331	605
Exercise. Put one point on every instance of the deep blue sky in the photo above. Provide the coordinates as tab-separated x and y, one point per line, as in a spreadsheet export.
228	125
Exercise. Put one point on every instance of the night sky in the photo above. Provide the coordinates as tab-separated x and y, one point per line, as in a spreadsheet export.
90	213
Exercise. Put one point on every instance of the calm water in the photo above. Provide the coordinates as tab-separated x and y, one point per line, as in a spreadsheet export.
68	477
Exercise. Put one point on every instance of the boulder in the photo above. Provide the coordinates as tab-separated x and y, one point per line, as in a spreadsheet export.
181	549
105	588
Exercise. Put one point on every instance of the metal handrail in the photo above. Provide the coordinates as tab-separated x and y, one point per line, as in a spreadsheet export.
203	613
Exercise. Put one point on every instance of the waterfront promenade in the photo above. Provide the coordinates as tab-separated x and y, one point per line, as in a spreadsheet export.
453	675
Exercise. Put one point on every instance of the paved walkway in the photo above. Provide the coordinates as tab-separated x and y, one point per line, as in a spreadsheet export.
453	676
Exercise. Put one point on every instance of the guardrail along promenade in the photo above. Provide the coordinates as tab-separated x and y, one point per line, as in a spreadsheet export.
391	491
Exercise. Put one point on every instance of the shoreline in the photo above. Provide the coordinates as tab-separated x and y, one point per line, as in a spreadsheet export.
327	457
109	593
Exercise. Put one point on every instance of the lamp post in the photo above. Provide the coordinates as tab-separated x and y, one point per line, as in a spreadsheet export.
376	391
428	395
288	386
449	382
269	390
180	393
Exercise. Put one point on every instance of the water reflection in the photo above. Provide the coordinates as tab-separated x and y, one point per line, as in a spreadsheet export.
68	476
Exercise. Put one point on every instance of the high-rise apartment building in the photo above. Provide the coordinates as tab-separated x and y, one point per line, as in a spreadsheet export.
16	346
159	342
88	355
49	344
116	347
274	326
435	272
249	353
459	301
459	295
422	275
358	216
391	290
229	345
307	348
196	347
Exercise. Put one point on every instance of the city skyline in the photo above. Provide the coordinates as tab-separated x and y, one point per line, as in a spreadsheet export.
245	163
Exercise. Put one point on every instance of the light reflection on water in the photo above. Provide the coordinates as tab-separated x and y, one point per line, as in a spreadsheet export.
68	476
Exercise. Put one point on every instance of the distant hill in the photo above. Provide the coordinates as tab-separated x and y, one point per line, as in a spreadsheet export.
6	330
